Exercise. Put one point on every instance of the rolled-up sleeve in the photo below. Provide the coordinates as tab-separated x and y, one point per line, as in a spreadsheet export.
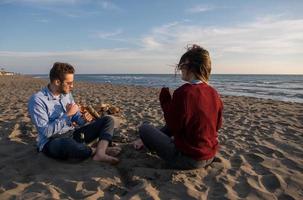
78	119
38	112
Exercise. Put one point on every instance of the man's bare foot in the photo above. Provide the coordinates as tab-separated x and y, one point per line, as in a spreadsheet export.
93	151
105	158
138	144
113	144
113	151
94	144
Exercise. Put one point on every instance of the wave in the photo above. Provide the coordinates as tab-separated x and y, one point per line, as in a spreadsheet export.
277	87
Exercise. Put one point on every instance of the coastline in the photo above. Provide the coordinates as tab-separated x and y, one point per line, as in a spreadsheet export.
261	151
287	88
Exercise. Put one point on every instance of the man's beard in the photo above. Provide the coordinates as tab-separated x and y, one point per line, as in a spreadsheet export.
62	91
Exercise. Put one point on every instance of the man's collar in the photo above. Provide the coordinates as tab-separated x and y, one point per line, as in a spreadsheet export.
49	94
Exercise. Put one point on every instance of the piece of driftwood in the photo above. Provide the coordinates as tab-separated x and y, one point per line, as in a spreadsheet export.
104	109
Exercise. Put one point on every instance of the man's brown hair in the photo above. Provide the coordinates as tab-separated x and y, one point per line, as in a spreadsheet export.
59	70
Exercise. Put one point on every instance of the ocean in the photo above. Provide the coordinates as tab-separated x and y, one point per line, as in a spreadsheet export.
276	87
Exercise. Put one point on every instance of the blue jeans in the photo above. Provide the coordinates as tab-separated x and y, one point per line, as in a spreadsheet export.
161	142
74	146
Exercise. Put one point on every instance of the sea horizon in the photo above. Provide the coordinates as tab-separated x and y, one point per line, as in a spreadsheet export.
287	88
31	74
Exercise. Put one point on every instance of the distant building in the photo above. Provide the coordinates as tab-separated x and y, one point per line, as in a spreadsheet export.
4	73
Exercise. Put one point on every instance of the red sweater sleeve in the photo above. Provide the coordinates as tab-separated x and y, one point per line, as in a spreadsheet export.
219	121
174	111
165	97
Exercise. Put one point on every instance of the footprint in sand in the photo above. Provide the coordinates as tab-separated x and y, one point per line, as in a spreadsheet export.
253	158
91	185
242	187
279	154
292	165
260	170
285	197
217	191
117	190
8	185
69	188
236	162
270	182
265	150
256	162
37	191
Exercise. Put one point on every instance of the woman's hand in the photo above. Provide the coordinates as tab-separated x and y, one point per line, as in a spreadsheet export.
165	95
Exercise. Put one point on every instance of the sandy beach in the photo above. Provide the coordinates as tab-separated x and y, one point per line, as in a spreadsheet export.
261	154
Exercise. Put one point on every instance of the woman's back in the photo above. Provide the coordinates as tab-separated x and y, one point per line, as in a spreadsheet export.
196	135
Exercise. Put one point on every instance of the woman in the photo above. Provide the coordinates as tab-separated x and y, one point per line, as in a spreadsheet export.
193	116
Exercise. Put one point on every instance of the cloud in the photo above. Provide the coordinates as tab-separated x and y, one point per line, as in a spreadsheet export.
106	35
159	36
68	8
43	20
89	61
42	2
254	47
150	43
271	37
265	45
199	9
107	5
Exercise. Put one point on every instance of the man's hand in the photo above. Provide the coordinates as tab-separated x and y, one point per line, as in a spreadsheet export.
87	117
71	109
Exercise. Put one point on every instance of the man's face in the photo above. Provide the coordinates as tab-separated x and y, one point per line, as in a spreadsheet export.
67	85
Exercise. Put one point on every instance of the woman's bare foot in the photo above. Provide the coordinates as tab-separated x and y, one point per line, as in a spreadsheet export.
138	144
105	158
113	151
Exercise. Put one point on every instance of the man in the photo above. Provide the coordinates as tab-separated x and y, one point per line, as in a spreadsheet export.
62	131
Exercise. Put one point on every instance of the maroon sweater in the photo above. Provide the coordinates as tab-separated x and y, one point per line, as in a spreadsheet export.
194	116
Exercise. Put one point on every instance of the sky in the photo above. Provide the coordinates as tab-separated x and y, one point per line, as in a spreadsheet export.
142	36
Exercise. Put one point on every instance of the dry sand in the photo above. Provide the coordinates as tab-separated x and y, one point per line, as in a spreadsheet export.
261	151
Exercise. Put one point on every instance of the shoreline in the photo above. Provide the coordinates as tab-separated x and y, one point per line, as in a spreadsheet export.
151	87
261	151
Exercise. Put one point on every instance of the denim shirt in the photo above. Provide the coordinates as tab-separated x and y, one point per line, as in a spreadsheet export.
48	113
